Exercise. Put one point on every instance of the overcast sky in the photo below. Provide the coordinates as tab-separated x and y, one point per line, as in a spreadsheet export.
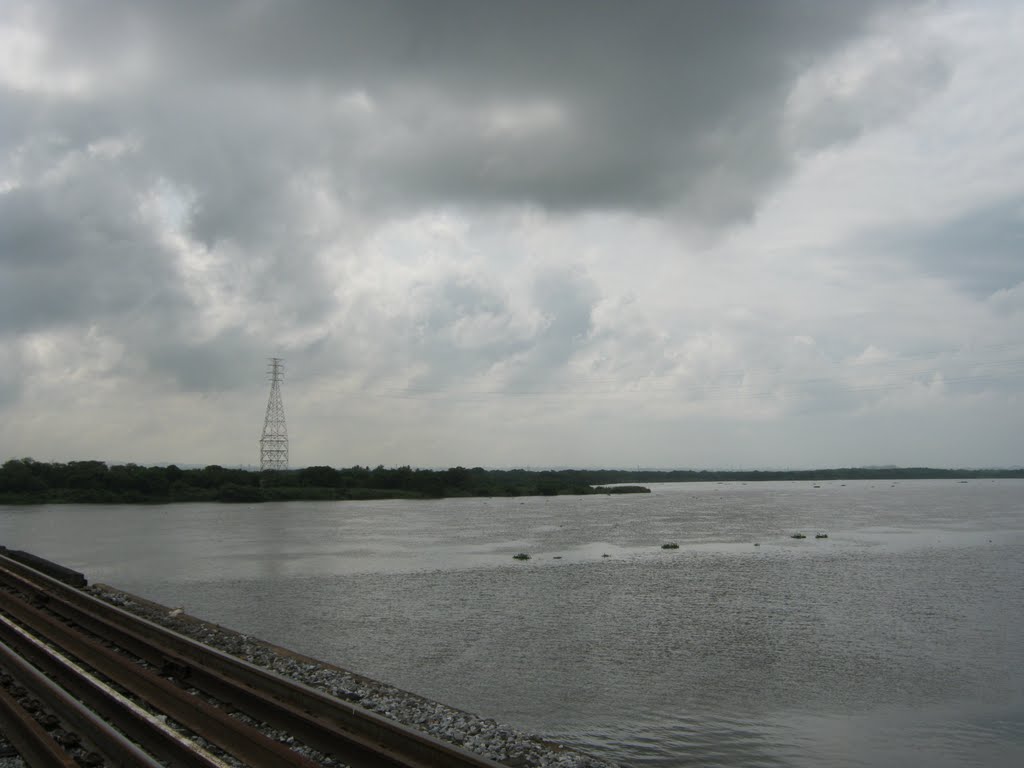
667	234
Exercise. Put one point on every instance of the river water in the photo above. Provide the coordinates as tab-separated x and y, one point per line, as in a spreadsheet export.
896	641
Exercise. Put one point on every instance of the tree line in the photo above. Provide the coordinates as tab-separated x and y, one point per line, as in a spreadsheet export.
25	481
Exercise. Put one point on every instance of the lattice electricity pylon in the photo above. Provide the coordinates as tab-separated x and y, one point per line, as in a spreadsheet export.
274	443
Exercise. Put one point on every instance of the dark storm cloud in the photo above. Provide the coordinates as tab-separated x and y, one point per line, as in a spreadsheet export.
658	103
280	128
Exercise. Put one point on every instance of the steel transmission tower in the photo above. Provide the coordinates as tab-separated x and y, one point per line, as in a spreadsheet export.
274	443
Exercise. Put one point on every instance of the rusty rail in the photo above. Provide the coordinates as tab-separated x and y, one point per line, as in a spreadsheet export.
138	724
29	738
108	742
325	723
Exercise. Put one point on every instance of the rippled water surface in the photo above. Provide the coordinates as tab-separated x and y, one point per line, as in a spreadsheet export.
897	641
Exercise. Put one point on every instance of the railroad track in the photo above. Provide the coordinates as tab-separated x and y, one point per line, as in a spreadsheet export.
87	683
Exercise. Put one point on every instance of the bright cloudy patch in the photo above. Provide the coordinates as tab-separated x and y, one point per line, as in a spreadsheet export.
24	66
679	235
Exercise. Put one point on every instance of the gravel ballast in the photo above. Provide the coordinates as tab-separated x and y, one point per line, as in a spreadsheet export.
482	736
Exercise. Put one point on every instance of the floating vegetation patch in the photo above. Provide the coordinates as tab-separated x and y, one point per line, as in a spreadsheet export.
621	489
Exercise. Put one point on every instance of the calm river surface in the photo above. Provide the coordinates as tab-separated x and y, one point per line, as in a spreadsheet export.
897	641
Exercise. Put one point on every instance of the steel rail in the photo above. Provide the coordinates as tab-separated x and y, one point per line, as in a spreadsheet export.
326	723
212	723
33	743
139	725
114	747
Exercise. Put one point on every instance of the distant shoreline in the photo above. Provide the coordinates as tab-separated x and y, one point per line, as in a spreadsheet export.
24	481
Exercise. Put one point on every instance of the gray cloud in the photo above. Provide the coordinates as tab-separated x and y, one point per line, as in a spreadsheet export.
859	92
981	252
226	362
566	299
567	105
193	187
465	328
76	253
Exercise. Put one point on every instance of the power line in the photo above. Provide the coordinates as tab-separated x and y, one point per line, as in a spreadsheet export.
1006	371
